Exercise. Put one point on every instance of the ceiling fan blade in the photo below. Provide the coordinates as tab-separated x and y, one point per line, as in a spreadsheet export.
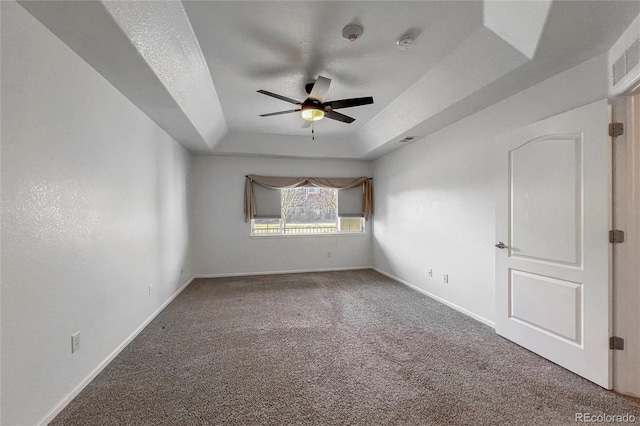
340	117
283	98
320	88
280	112
347	103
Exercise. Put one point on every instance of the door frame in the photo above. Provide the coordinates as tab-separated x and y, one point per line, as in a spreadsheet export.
625	268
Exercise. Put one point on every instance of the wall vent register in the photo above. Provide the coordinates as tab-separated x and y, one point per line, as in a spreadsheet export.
626	62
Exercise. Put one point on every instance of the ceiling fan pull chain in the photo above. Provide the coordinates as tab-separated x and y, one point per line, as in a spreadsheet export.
313	134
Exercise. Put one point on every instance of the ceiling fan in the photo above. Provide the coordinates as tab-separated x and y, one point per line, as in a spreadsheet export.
314	108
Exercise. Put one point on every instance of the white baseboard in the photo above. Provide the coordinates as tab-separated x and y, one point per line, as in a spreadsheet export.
477	317
67	399
293	271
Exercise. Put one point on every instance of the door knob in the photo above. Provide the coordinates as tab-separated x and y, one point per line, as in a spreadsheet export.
501	245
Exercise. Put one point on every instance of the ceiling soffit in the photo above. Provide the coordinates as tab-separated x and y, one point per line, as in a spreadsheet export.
518	23
194	67
146	50
573	32
161	32
506	41
477	62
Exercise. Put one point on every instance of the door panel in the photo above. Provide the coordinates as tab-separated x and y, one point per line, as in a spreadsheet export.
553	290
548	304
535	210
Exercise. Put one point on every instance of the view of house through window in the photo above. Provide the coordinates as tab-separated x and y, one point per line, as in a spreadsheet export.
308	210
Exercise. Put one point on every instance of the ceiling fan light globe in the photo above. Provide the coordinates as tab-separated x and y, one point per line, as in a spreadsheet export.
312	114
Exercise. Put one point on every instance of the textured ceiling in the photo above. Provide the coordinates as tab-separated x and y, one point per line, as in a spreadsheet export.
195	66
247	51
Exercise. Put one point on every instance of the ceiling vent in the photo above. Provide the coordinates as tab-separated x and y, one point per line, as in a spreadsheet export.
407	139
625	63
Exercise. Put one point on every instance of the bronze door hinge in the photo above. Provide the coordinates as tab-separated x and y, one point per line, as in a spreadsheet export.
616	129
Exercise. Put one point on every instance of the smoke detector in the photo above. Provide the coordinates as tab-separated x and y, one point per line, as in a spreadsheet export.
406	41
352	32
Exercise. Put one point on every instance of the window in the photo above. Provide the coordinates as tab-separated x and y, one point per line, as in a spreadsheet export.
307	205
309	210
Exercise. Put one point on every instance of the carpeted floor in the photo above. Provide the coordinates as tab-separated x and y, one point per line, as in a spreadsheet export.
334	348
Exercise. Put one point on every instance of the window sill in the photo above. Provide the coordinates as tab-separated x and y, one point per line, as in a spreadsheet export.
327	235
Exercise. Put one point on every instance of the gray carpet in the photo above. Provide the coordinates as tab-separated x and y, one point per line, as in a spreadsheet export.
334	348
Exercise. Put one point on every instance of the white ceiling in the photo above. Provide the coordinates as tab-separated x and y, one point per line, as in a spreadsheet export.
194	66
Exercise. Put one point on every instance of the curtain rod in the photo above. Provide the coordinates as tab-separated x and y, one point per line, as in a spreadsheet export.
247	176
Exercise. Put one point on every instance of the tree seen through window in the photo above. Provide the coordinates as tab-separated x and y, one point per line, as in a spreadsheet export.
310	209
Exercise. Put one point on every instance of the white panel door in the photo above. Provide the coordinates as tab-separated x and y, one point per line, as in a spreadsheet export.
552	218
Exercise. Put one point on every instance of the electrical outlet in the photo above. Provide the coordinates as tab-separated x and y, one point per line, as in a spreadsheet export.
430	272
445	278
150	285
75	342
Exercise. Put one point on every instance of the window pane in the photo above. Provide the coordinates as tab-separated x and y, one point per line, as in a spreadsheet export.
266	226
267	202
309	210
351	224
350	202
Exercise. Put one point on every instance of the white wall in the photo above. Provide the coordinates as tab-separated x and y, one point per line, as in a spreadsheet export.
220	237
94	210
434	199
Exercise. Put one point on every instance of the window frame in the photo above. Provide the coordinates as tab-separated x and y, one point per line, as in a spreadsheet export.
282	232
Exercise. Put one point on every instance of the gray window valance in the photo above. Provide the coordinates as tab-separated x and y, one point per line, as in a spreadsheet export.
258	203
